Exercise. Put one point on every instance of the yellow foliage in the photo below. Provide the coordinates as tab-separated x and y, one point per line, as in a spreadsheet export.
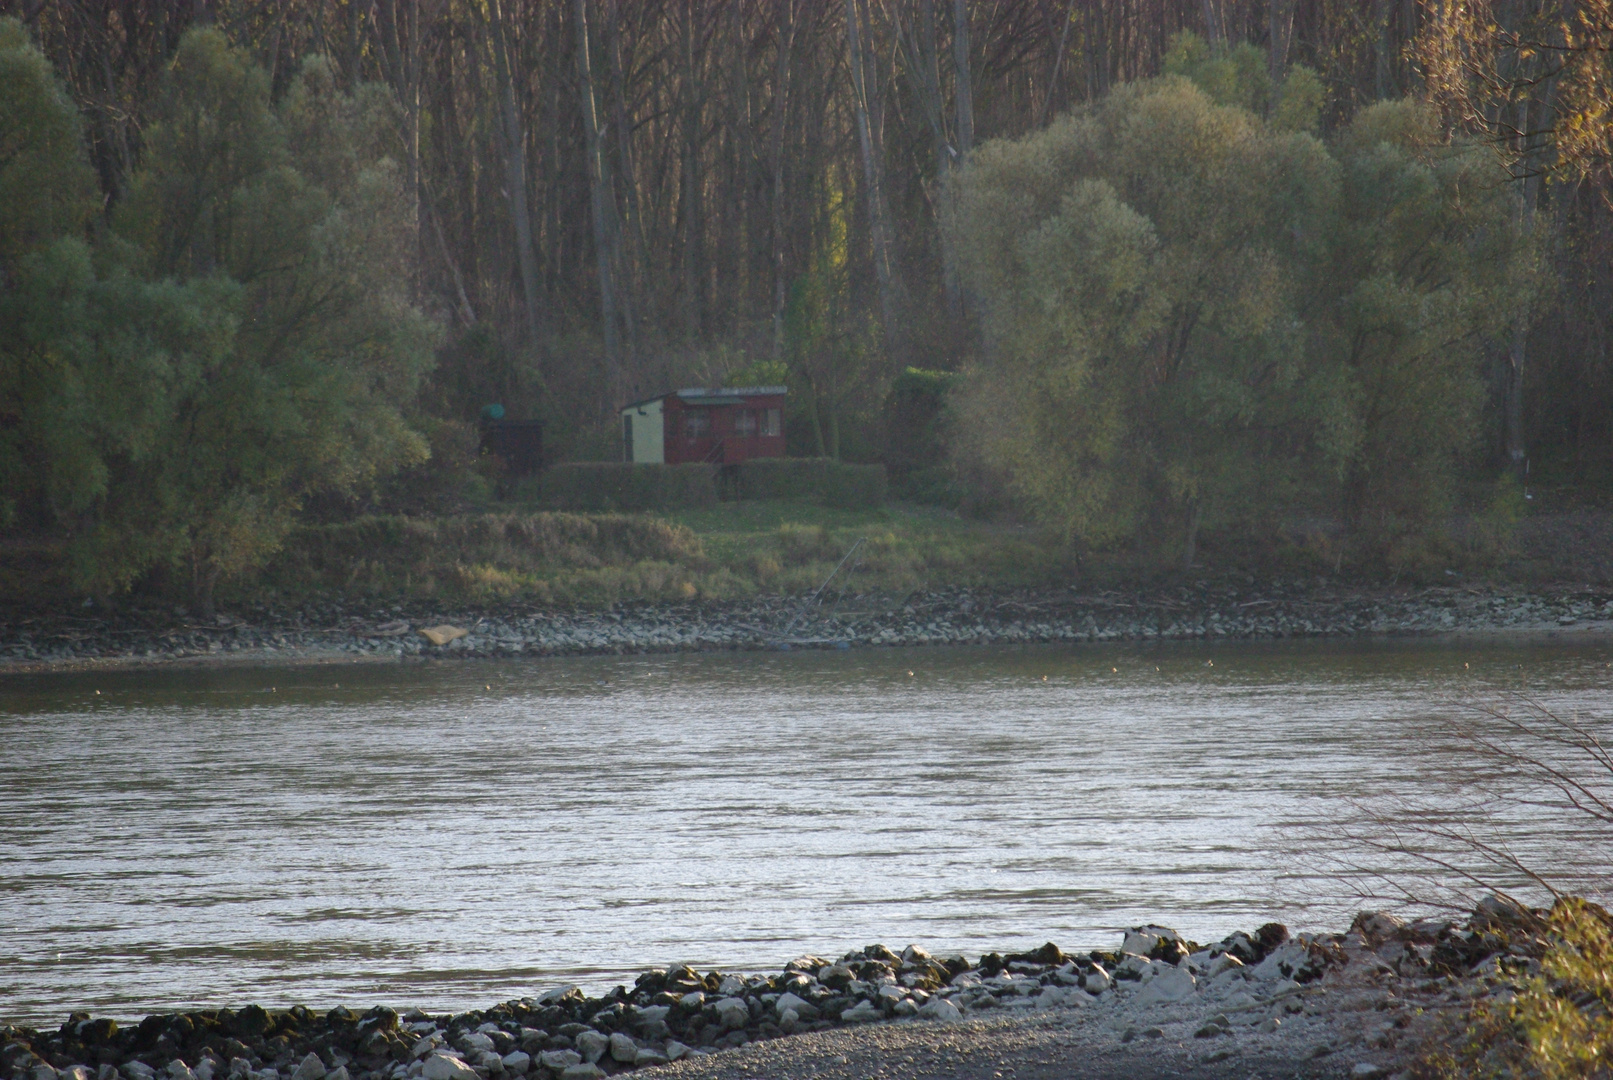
1560	1026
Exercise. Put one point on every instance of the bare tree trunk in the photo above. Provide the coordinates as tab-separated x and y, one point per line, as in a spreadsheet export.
690	218
628	256
745	166
1212	23
878	215
1058	64
1281	32
514	144
598	195
400	47
963	81
1517	448
929	62
781	103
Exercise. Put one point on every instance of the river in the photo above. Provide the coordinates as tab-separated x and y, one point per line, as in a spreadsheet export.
456	834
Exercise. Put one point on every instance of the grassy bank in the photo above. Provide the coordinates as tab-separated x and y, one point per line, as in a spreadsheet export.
729	551
736	550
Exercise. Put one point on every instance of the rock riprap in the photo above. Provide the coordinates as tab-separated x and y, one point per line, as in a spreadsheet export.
949	616
1379	975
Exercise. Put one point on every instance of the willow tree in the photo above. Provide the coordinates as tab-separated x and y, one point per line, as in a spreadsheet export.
1135	264
1199	313
242	339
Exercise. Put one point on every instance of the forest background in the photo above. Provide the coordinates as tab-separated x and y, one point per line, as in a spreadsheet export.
263	264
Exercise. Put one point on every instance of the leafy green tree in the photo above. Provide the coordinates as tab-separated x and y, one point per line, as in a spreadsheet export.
1429	265
243	338
47	192
295	222
1135	263
1196	312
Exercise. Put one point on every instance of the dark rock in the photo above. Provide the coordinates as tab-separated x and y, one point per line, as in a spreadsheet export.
1270	936
250	1022
1049	955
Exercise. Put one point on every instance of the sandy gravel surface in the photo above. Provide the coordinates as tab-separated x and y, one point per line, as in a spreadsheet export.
1049	1046
1358	1021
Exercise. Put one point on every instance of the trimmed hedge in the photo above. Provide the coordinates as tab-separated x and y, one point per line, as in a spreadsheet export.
616	485
820	480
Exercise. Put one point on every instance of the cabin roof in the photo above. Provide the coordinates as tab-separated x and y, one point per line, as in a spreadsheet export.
724	395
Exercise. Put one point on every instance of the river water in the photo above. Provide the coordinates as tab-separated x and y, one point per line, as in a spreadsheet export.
459	834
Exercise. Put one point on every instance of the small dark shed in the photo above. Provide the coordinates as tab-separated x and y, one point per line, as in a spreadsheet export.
518	443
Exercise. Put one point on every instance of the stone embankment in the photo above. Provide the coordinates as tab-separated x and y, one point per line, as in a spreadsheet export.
1355	999
948	616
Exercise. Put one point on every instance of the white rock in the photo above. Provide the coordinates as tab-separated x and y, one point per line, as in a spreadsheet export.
790	1003
693	1002
82	1072
862	1013
446	1067
586	1071
338	1073
939	1008
1365	1070
675	1050
1287	960
107	1072
518	1062
1138	943
240	1068
1097	980
591	1045
622	1047
646	1056
475	1043
490	1061
270	1073
556	994
138	1070
891	992
731	986
905	1007
649	1014
732	1012
559	1059
1173	984
178	1070
1135	969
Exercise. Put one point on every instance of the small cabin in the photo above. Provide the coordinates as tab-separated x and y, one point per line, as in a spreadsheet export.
721	427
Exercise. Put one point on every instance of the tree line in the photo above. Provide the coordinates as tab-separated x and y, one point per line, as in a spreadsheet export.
593	200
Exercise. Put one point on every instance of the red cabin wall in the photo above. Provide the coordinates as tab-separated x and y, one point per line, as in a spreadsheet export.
721	443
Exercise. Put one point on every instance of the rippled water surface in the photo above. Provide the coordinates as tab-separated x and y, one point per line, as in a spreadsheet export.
455	835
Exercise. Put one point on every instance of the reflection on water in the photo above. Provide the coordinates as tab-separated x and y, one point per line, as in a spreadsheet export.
454	835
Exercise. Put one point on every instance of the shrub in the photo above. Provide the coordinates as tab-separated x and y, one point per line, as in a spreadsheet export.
601	486
476	554
1560	1026
820	480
